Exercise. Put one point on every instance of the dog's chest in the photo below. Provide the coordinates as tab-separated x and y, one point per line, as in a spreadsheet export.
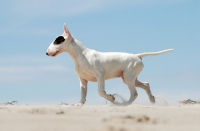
85	72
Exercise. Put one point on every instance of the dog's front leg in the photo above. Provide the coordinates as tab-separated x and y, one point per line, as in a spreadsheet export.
83	86
101	88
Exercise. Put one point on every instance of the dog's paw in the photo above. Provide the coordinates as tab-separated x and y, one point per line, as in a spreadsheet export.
119	100
79	104
113	98
152	99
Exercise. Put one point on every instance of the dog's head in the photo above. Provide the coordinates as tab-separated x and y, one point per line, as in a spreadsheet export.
60	44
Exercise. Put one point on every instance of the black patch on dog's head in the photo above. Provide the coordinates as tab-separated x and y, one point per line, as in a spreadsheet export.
59	40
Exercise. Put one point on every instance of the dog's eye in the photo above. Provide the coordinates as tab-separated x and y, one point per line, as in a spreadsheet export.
59	40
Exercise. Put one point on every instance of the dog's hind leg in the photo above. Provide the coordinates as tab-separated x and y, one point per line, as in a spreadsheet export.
146	87
129	80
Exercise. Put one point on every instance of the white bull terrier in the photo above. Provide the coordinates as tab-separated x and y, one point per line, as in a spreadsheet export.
91	65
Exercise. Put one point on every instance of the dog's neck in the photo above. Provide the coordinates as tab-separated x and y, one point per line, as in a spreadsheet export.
76	50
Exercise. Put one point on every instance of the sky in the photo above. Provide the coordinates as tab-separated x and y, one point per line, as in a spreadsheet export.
27	28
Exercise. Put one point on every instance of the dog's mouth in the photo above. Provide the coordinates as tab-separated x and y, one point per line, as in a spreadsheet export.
57	52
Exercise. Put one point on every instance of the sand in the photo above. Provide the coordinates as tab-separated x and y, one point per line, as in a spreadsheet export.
100	118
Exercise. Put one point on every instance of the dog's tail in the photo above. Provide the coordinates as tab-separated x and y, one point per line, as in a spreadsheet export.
153	53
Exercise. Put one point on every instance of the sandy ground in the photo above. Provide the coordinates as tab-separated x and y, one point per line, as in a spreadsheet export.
100	118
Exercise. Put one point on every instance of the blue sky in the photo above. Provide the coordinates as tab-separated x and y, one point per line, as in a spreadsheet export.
134	26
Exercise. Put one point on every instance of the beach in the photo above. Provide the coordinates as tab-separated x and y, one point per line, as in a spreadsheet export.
99	118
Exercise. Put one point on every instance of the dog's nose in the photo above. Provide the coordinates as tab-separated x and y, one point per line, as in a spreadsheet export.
47	53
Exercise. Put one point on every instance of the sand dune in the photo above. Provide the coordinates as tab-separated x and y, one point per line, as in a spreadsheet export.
99	118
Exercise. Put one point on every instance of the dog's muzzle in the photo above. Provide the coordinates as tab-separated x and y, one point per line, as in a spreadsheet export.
47	53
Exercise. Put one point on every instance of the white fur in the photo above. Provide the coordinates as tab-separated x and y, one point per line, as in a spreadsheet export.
91	65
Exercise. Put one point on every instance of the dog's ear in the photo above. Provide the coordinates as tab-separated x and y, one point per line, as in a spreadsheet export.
66	33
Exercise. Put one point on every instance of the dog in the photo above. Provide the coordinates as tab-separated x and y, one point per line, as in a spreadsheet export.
94	66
